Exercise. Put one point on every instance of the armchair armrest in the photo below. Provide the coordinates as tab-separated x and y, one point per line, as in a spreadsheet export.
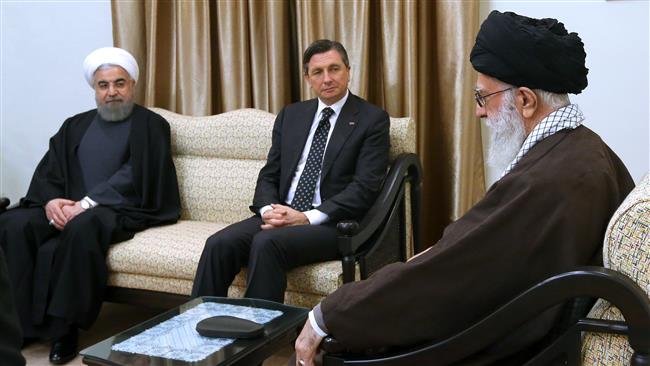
365	236
587	281
4	204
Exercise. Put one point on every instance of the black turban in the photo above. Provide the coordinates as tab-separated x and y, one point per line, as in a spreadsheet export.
535	53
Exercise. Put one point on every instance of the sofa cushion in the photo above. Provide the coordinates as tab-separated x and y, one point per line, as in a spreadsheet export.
171	251
165	259
627	250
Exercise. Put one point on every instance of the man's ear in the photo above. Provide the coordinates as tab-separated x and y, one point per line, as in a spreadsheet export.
527	100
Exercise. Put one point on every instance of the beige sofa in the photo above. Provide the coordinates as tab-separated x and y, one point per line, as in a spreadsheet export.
217	159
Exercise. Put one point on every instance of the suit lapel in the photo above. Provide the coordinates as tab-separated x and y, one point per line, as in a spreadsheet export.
299	132
345	124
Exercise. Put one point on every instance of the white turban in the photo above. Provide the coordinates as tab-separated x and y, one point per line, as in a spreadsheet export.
112	56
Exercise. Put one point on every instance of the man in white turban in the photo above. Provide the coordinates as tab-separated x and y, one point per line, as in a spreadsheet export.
107	174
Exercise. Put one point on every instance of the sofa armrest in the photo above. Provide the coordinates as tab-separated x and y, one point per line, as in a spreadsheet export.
364	240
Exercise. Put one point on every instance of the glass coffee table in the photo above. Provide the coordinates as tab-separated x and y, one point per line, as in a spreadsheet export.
169	339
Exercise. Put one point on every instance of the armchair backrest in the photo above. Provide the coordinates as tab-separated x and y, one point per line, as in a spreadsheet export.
218	159
626	249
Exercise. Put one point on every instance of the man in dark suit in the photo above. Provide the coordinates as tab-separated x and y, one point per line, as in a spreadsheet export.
326	163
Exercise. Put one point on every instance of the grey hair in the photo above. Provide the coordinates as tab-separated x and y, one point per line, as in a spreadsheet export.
553	100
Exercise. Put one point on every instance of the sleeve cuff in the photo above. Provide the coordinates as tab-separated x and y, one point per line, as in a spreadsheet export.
314	325
91	201
264	209
316	217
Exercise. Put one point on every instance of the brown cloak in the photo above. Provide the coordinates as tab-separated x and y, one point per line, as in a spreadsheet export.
548	215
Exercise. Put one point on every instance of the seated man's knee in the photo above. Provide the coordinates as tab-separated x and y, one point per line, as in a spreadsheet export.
220	242
265	243
79	223
82	229
18	218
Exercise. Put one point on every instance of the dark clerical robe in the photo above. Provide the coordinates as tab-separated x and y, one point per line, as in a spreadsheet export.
548	215
10	336
59	277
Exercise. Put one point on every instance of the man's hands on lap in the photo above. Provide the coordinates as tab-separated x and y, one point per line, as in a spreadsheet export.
307	345
281	215
62	210
71	211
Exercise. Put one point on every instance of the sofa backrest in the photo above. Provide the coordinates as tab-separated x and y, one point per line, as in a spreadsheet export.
218	159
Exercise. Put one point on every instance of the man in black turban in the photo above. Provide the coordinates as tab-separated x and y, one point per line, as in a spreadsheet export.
535	53
547	214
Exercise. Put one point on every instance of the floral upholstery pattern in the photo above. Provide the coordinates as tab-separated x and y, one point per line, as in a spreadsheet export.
217	160
626	250
214	189
239	134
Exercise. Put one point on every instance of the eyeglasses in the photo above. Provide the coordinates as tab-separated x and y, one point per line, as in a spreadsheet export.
480	99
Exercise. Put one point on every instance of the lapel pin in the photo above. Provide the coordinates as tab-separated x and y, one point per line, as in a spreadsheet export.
351	123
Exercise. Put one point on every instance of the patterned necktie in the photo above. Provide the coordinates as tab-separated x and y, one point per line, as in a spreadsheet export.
304	195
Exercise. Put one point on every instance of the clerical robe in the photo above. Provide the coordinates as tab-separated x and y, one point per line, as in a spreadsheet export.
59	277
546	216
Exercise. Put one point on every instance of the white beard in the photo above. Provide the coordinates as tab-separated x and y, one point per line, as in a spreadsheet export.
507	134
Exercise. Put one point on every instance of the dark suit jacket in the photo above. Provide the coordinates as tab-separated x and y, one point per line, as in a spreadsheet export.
354	163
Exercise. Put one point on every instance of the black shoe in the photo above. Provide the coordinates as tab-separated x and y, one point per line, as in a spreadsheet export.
64	349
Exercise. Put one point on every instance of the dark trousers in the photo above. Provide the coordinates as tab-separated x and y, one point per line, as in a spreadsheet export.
58	277
268	254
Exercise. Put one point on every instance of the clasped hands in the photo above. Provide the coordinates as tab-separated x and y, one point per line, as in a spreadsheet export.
281	215
60	210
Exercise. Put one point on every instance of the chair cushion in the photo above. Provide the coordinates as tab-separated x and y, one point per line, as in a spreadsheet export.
627	250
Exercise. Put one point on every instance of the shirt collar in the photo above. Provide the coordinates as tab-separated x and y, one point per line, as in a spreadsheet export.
336	107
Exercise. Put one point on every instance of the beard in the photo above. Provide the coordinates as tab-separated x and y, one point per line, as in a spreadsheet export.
507	134
115	110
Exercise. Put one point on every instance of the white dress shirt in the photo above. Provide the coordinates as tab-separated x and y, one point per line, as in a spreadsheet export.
314	216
